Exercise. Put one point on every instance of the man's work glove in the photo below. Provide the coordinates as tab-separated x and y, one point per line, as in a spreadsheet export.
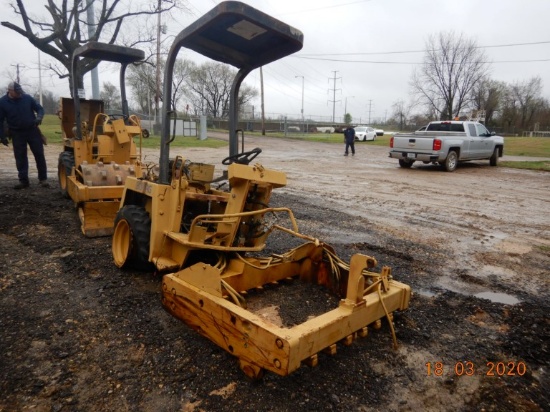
38	122
4	141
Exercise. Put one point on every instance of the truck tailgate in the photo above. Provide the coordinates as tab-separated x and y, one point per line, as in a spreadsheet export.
413	142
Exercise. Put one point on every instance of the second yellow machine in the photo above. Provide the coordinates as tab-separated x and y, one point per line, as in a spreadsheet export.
99	151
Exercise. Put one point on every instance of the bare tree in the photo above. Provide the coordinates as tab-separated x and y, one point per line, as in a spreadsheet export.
522	106
246	94
528	99
453	65
488	95
142	81
210	85
182	73
209	88
111	97
50	101
401	112
65	27
508	109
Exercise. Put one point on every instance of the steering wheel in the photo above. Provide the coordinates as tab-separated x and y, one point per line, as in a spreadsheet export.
243	158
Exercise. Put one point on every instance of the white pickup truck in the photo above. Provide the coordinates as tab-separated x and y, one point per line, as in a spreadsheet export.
447	143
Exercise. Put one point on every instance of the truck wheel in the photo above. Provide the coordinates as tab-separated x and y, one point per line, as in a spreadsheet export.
405	163
130	245
493	161
64	170
451	161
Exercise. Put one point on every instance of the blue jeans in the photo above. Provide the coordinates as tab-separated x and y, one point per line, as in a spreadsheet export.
20	140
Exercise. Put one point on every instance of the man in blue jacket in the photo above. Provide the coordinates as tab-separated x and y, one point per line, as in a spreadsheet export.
23	114
349	138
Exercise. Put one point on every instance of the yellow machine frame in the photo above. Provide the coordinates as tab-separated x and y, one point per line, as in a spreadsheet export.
208	234
99	151
92	171
210	295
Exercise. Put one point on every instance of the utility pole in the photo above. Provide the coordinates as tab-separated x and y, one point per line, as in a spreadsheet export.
39	79
157	82
262	99
17	73
91	32
334	95
370	109
302	99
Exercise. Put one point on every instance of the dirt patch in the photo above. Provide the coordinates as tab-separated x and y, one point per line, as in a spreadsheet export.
79	334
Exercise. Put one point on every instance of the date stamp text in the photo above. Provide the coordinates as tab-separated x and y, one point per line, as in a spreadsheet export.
467	368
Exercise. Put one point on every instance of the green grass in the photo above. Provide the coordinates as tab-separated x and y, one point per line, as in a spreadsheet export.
323	137
513	146
51	128
527	146
544	166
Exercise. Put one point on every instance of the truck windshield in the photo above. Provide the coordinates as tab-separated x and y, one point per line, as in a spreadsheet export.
446	127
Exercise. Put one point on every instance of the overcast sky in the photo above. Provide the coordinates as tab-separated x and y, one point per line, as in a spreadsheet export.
358	53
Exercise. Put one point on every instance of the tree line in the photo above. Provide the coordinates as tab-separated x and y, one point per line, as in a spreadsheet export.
196	88
454	82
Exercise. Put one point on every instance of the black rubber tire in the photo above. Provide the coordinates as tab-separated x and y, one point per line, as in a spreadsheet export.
145	133
64	169
451	162
131	239
493	161
407	164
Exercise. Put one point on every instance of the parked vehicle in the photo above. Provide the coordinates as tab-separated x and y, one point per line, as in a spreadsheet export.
447	143
364	133
327	129
379	132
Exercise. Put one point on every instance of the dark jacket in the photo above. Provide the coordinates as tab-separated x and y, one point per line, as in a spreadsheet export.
349	135
19	113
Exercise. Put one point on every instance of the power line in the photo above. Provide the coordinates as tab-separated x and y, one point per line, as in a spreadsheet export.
408	63
417	51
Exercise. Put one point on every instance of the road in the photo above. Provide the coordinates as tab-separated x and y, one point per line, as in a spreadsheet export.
479	210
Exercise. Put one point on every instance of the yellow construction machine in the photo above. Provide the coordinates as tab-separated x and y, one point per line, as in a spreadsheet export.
99	151
208	231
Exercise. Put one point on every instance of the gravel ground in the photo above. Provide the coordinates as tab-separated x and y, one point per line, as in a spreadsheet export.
80	335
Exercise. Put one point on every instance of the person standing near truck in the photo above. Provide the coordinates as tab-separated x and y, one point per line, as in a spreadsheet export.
349	138
23	114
